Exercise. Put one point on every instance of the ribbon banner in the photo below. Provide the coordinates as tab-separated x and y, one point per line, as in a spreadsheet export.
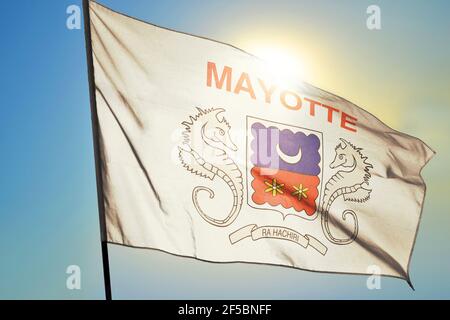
277	232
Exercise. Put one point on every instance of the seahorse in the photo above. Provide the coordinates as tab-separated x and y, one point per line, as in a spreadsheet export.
351	182
209	133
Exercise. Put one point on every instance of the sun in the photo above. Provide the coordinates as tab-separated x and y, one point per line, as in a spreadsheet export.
284	66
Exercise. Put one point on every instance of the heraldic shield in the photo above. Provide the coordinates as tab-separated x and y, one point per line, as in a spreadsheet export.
284	168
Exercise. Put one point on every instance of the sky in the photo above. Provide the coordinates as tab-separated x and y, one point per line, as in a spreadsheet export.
48	204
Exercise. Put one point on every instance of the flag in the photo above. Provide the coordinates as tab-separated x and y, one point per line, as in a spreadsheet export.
203	152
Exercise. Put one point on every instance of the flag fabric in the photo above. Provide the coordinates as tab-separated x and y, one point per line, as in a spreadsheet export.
206	153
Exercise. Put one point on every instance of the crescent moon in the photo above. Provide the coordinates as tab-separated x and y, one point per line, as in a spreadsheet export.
289	159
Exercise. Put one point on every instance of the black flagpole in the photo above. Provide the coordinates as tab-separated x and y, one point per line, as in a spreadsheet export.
95	132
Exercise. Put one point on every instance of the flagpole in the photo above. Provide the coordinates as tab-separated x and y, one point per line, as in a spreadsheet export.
98	164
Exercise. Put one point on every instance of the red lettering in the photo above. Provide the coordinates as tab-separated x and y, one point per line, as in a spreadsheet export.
248	88
226	76
348	119
312	106
330	112
298	103
267	92
222	80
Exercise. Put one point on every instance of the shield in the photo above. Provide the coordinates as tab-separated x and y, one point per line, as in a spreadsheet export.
284	168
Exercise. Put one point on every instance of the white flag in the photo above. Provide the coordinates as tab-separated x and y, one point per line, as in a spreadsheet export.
205	153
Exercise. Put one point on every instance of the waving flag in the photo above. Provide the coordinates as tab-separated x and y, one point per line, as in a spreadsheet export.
202	152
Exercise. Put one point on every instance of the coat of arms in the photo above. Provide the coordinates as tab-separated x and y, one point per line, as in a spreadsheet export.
284	168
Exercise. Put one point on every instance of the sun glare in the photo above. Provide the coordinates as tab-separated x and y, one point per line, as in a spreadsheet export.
285	67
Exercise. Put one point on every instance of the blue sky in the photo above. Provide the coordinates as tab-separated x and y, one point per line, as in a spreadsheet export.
48	205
